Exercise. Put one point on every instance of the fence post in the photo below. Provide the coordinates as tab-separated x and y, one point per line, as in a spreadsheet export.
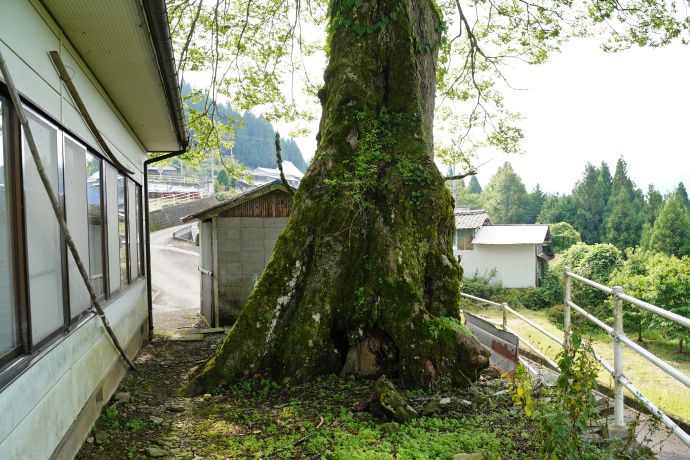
618	357
505	316
566	310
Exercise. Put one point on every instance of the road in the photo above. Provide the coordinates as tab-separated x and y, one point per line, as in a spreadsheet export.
175	274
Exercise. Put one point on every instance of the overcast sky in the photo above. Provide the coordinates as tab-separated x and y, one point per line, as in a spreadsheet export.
587	105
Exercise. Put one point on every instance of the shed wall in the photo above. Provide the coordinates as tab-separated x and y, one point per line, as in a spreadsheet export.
242	246
516	264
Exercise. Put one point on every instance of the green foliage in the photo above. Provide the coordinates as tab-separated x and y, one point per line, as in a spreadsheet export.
557	208
563	235
223	183
671	234
505	196
474	186
109	417
589	200
534	204
595	262
661	280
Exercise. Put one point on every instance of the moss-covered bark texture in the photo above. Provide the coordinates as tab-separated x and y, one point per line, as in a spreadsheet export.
364	267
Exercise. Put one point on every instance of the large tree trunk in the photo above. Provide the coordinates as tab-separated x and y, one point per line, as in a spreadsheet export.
364	266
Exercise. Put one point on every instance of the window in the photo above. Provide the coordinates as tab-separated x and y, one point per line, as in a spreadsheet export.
122	228
94	196
43	234
113	233
8	324
76	211
140	240
132	230
42	293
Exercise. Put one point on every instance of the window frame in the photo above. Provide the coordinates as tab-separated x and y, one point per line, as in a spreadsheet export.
19	358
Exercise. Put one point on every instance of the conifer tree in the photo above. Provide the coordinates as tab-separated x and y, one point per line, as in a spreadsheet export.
672	229
474	186
505	196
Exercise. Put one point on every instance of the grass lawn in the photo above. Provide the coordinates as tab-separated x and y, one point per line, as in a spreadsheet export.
660	388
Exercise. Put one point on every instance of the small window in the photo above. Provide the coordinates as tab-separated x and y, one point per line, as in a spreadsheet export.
140	240
122	228
9	337
113	232
94	196
132	230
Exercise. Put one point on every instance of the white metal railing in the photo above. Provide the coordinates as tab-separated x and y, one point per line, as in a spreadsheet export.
178	198
619	338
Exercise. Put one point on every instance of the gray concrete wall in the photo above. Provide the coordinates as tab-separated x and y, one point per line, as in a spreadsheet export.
171	216
243	247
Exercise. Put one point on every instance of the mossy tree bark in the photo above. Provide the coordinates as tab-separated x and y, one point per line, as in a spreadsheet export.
364	268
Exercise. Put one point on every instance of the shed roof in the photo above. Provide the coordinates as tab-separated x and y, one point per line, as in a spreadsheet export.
128	48
512	234
472	219
236	200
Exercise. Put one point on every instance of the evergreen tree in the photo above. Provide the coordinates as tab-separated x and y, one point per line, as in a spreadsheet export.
588	199
653	204
534	205
683	195
222	181
557	208
624	223
474	186
605	182
621	179
505	196
625	230
672	229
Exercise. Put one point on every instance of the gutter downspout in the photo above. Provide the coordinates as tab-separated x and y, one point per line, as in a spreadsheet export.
149	294
157	18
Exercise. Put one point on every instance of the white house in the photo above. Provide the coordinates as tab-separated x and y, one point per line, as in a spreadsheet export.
515	251
118	101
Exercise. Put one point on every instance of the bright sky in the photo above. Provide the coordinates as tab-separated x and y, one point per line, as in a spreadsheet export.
587	105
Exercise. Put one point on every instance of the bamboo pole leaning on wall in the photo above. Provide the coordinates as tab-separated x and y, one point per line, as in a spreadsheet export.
56	208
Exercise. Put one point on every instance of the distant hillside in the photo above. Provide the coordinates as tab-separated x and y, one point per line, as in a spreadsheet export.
255	142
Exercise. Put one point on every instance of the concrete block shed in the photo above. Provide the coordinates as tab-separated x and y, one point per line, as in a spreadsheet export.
237	238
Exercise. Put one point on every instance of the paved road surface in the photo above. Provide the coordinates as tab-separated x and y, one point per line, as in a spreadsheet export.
175	274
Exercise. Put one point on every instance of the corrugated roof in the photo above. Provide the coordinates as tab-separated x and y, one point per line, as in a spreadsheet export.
235	200
512	234
472	219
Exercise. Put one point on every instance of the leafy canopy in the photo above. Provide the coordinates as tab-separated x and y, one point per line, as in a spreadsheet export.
269	54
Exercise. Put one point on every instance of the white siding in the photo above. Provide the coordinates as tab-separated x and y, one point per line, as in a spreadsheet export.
41	404
516	264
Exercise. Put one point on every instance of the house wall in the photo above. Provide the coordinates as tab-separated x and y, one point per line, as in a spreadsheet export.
242	248
49	400
516	264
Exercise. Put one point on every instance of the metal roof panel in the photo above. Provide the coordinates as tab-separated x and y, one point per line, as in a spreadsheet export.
512	234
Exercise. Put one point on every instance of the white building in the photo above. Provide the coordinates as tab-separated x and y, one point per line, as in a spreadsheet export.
516	252
57	364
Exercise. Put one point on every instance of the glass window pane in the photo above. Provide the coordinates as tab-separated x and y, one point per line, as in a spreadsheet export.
122	228
76	215
140	224
8	325
113	232
43	234
132	209
95	219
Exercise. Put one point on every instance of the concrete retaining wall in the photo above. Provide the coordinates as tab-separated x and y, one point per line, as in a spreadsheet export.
171	216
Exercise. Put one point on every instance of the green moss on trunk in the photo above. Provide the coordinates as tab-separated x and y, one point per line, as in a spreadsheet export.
369	244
